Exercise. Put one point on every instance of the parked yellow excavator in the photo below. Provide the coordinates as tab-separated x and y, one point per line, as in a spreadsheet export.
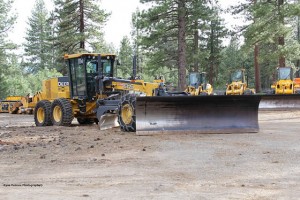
238	84
93	94
198	84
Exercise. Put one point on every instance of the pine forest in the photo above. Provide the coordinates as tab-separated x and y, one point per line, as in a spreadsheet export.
170	38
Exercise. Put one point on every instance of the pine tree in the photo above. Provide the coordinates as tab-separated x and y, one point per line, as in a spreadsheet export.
176	35
270	29
6	23
213	46
80	23
125	57
163	29
38	49
272	26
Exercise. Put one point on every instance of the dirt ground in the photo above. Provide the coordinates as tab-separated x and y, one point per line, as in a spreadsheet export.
81	162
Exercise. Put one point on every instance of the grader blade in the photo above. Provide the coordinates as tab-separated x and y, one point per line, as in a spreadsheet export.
199	114
280	102
108	121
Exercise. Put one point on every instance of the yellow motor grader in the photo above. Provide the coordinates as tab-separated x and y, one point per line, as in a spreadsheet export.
95	94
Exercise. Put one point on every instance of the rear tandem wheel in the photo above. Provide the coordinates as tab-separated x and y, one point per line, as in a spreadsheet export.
61	112
42	113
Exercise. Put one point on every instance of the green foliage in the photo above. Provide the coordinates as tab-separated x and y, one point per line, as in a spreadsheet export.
35	80
7	20
20	83
231	60
15	80
78	28
270	21
272	26
125	58
79	23
164	43
38	48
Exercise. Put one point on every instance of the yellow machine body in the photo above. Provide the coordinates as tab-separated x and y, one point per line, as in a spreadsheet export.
286	83
238	84
195	91
52	88
146	88
7	105
284	87
198	84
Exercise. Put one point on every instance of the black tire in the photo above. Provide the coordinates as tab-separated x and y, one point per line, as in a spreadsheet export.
61	112
126	114
42	113
85	120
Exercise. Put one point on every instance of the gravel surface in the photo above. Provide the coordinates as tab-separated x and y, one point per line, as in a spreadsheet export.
81	162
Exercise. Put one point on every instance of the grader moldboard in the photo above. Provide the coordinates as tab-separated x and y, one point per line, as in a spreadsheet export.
141	107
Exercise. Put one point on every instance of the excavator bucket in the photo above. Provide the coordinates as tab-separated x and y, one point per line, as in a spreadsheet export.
199	114
280	102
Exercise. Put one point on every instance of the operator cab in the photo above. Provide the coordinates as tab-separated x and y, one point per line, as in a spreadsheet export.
285	73
196	79
237	76
84	70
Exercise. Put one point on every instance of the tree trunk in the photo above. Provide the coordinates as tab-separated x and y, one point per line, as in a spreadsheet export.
256	66
257	69
81	28
196	47
298	35
211	57
181	45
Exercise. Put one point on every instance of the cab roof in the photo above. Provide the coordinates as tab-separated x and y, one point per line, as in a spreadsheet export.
77	55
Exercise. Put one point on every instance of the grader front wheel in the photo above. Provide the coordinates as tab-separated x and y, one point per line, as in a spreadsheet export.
61	112
126	115
42	113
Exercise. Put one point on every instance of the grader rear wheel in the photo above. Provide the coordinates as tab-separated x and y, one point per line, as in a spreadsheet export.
126	115
42	113
61	112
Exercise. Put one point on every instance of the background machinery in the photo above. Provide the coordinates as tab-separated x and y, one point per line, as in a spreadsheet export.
286	82
198	84
7	105
238	84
